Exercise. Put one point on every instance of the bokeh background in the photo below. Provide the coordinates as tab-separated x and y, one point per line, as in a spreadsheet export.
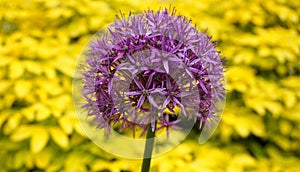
41	40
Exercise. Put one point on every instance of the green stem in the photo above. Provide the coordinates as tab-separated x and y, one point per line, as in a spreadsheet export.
148	148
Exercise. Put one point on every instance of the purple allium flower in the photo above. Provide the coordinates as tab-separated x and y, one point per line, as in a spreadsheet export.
148	64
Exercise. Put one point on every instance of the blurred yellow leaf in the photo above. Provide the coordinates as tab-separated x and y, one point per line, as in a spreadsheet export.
74	162
43	158
48	49
99	165
16	69
95	23
60	103
257	126
56	112
291	82
33	67
285	127
293	113
77	27
282	141
21	133
78	129
28	112
244	56
257	104
39	139
3	117
20	158
29	161
289	98
49	71
52	88
66	124
76	139
5	60
241	161
68	65
8	100
235	78
41	94
55	13
242	127
283	55
12	123
264	51
4	85
42	112
59	137
22	88
274	107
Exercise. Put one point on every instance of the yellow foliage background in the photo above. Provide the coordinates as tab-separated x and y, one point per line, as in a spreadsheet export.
41	40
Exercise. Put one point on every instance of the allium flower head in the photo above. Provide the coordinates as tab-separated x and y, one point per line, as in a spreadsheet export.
145	68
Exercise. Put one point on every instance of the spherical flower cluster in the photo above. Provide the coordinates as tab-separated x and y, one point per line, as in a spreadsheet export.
148	64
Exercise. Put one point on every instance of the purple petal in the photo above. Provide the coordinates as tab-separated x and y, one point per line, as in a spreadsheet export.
194	70
143	68
164	92
153	123
166	65
131	59
176	48
183	94
169	86
155	60
141	101
174	59
151	100
189	73
195	61
133	93
157	90
167	118
166	102
203	87
127	67
118	57
87	91
210	61
201	123
139	84
182	107
109	86
149	80
135	71
158	70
